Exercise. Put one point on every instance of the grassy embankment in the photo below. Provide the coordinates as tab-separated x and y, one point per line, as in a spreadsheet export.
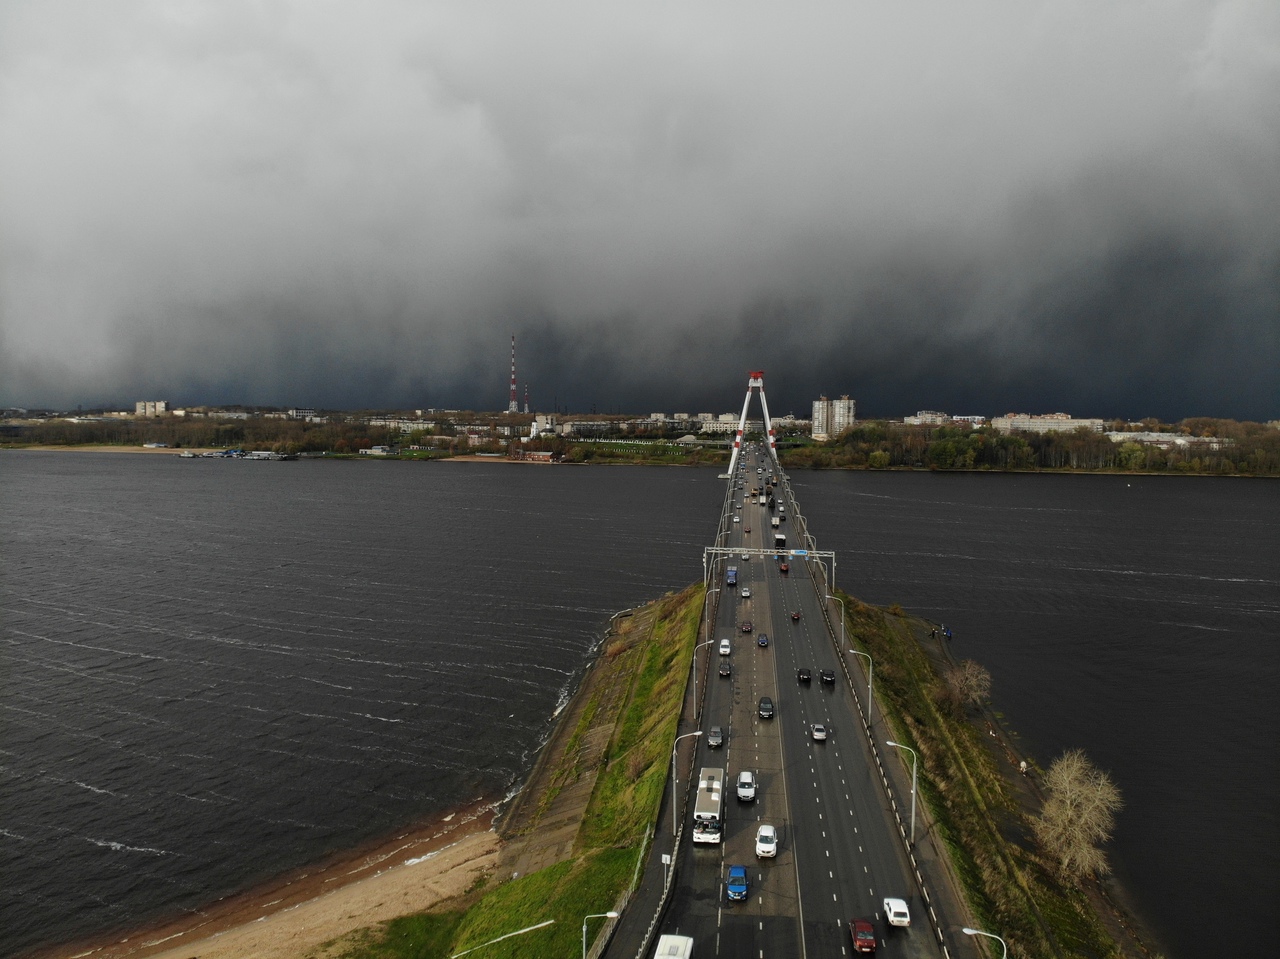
979	819
610	842
976	815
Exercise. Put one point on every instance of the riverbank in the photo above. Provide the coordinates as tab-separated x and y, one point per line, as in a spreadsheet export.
980	794
338	906
411	871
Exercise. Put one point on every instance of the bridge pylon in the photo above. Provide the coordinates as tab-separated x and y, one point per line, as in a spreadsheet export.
755	381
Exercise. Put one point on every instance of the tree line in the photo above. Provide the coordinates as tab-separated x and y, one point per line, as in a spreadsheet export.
1248	448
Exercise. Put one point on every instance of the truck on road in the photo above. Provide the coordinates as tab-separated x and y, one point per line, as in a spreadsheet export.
674	947
708	807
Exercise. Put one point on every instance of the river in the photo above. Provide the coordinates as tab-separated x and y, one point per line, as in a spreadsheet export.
216	670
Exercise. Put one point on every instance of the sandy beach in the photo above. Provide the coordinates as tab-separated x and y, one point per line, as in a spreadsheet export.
292	916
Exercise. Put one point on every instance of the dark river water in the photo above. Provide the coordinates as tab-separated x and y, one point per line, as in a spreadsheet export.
214	671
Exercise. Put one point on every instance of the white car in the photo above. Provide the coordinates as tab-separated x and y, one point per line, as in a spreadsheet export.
766	841
725	647
747	786
819	732
737	519
746	592
895	911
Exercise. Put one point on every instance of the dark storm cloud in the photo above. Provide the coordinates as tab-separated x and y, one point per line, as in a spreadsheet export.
981	207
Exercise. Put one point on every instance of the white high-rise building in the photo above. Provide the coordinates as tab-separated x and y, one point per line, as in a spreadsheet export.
832	417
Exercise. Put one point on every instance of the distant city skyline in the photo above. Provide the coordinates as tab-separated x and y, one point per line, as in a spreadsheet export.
987	207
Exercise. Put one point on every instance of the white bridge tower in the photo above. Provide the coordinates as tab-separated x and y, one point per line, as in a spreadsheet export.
755	380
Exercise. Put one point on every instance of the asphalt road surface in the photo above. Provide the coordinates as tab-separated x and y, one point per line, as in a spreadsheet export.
839	851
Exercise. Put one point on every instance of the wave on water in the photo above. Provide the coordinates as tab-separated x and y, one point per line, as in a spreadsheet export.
562	700
124	847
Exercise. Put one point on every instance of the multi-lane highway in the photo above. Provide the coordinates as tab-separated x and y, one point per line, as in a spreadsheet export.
839	851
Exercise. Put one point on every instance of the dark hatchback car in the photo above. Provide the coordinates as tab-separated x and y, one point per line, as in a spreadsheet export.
766	707
864	935
827	675
725	669
803	675
762	639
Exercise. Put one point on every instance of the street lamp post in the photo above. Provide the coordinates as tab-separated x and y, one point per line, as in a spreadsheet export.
841	602
706	610
594	915
871	669
674	747
978	932
890	742
695	672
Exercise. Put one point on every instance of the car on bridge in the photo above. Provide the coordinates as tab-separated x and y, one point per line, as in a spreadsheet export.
737	887
895	911
766	707
783	568
819	732
747	626
746	529
762	639
746	592
747	786
725	669
828	676
725	647
795	616
715	737
766	841
803	675
864	935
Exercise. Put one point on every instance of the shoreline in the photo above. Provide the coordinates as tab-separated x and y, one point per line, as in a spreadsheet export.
408	871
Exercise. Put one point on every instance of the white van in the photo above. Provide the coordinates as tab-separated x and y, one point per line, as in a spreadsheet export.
674	947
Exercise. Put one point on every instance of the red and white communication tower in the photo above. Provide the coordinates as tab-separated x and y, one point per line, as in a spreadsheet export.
512	405
755	380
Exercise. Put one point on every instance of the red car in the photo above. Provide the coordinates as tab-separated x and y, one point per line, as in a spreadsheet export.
783	568
864	935
796	615
747	626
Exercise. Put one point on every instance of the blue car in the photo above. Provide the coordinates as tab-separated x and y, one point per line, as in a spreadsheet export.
736	888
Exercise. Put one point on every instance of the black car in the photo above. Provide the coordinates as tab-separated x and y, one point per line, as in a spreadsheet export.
766	707
725	669
803	675
827	675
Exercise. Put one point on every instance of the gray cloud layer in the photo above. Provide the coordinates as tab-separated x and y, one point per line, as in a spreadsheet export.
978	207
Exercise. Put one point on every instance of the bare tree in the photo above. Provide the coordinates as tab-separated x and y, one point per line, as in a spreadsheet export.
970	682
1078	815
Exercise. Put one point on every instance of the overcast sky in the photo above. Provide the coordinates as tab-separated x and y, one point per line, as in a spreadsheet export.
978	207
